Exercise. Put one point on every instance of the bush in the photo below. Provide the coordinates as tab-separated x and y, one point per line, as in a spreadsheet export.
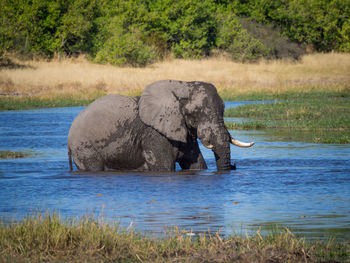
320	23
126	49
344	45
138	32
237	42
120	38
271	37
188	27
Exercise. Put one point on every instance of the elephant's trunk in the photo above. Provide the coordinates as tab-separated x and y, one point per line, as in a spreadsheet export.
218	139
222	149
223	158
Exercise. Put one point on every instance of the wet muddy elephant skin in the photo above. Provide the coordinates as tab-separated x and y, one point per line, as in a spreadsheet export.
152	132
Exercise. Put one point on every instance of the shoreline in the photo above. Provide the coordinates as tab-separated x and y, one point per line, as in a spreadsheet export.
77	82
47	237
309	116
234	81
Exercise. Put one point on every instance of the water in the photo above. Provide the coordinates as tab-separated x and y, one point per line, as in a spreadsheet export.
302	186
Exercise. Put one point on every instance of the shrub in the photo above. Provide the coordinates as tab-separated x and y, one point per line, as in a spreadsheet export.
236	41
126	48
188	27
138	32
271	37
320	23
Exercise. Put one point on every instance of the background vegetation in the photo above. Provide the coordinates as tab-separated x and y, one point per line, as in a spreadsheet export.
311	117
139	32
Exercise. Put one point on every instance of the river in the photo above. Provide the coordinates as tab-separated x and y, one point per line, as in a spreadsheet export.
302	186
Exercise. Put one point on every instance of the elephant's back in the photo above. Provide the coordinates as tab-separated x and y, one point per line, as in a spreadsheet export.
103	117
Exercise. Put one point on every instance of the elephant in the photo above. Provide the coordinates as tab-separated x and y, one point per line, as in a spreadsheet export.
154	131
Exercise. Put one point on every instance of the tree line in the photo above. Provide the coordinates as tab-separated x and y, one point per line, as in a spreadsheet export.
139	32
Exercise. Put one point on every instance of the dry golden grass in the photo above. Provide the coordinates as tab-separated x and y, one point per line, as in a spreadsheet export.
328	71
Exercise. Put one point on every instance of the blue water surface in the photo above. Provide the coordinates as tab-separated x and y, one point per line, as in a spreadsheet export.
302	186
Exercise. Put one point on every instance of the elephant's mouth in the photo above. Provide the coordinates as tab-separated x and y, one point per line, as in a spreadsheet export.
222	151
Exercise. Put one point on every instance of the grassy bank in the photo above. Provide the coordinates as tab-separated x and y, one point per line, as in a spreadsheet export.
314	117
56	82
51	239
48	101
316	89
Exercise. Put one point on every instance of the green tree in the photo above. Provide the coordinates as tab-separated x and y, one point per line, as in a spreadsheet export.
138	32
188	27
344	45
9	31
76	27
125	48
121	34
322	23
34	26
45	27
237	42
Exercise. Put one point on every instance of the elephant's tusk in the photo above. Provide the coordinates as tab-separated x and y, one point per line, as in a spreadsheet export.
241	144
209	146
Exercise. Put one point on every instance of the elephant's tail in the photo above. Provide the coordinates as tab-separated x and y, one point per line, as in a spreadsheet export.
70	159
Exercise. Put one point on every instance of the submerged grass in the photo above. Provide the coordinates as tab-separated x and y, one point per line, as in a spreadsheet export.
322	117
48	238
4	154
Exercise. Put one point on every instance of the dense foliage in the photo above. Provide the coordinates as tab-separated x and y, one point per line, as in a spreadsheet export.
138	32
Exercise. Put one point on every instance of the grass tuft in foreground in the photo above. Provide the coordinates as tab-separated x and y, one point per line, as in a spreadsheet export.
315	117
49	238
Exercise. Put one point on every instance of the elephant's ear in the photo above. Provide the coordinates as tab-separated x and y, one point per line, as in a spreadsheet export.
159	107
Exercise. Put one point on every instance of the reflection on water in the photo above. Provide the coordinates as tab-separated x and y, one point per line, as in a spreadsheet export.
302	186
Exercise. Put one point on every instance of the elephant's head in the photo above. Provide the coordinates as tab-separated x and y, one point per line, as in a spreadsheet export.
177	109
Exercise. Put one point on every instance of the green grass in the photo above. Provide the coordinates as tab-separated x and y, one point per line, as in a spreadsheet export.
53	101
293	93
50	239
314	117
11	154
228	95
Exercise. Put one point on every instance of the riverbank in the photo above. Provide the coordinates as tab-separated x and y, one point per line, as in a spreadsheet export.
316	89
311	117
51	239
25	102
75	82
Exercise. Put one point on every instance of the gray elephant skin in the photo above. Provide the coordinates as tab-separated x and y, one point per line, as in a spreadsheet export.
152	132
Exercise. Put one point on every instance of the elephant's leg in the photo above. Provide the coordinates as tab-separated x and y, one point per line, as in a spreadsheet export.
87	159
158	152
193	164
192	157
94	165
